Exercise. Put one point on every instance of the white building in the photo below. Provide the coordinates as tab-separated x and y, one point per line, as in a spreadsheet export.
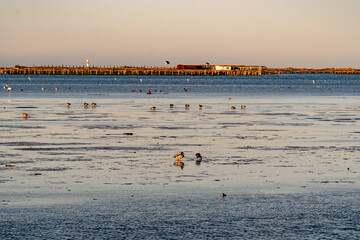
222	67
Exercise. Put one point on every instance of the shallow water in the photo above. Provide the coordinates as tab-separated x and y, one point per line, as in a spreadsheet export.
173	86
200	215
297	148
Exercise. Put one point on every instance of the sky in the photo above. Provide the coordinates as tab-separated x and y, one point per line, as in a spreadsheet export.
272	33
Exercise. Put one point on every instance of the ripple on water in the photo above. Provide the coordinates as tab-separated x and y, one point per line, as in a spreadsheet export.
56	169
191	215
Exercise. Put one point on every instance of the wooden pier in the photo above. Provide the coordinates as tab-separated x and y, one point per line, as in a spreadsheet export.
243	71
123	71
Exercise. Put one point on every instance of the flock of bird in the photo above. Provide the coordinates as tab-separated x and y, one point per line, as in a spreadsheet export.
86	105
187	107
178	162
9	89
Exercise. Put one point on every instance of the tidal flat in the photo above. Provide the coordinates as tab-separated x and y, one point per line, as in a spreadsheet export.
289	167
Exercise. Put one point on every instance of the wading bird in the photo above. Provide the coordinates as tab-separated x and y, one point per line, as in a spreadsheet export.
198	158
25	115
178	157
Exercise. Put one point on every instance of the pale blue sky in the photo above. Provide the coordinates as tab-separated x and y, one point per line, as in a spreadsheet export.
274	33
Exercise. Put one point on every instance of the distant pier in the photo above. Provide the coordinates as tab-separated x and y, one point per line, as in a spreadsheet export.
180	70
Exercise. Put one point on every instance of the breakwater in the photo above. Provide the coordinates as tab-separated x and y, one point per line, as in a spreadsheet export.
243	71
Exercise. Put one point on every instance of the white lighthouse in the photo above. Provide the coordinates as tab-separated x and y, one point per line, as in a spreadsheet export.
87	62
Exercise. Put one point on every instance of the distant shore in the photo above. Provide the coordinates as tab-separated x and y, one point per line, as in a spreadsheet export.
196	70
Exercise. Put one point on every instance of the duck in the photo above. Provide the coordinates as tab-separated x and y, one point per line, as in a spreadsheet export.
179	156
232	107
198	158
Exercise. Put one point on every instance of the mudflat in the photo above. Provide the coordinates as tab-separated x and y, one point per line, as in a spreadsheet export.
287	145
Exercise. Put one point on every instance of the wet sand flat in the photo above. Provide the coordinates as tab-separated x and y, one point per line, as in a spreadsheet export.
272	146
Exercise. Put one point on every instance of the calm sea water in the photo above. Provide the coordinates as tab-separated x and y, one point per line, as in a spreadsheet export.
121	86
191	216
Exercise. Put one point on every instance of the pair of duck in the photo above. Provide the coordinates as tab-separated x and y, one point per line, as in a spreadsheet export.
181	155
242	107
92	104
187	106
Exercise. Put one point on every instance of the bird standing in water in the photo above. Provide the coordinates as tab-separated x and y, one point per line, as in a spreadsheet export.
179	156
25	115
198	158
